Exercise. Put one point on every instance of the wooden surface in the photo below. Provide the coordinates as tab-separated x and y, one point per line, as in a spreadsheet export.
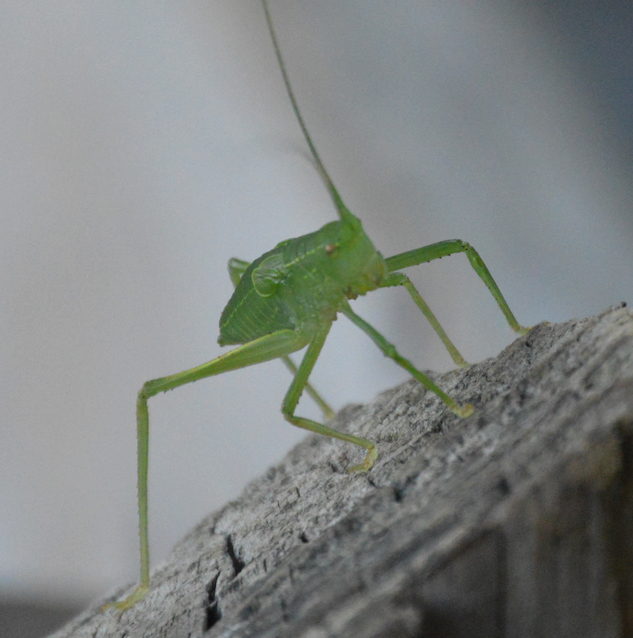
516	522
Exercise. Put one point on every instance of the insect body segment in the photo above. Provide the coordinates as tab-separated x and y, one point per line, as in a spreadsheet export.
302	283
287	299
237	268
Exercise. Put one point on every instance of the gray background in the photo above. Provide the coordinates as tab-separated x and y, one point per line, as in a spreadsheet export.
146	143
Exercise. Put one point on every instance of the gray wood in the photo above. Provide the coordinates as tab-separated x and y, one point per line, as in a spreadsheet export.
517	521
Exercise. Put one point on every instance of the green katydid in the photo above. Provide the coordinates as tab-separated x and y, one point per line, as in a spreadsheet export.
287	299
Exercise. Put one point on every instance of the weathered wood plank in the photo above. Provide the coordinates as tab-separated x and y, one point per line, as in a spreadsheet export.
516	522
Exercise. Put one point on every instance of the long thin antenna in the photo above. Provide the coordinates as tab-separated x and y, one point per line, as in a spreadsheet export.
342	209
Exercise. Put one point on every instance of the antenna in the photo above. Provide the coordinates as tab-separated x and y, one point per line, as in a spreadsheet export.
343	212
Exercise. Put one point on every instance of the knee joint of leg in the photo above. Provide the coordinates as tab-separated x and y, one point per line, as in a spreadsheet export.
390	351
148	390
286	411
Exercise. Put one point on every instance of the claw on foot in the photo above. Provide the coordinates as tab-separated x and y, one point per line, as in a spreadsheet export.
130	601
367	463
463	410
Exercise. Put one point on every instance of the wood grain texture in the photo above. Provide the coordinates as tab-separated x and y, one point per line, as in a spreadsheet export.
516	522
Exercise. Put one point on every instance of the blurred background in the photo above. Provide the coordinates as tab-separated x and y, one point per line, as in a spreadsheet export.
146	143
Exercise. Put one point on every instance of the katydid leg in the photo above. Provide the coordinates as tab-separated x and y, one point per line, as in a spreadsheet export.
237	267
390	351
294	394
327	411
399	279
259	350
450	247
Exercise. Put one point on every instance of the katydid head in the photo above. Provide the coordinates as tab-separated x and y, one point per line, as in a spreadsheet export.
354	262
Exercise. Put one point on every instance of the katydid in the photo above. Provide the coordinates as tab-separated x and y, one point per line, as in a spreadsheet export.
287	299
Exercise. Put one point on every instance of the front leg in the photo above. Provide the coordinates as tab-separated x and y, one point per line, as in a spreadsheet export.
450	247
